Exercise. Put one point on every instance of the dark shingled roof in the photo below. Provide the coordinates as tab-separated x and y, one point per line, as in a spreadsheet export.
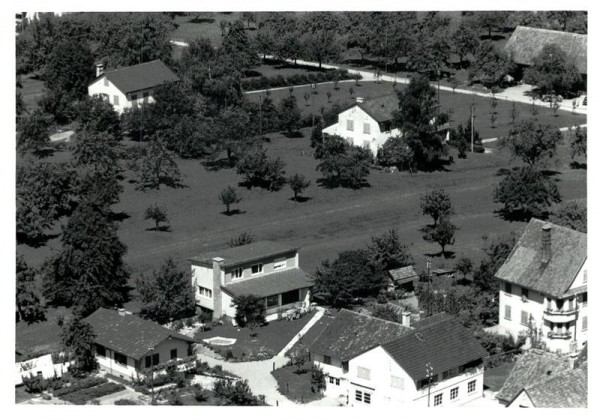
440	340
526	43
129	334
531	368
403	274
568	389
351	334
524	265
140	76
271	284
380	108
244	254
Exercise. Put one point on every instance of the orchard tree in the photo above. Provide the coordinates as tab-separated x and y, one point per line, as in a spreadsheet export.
158	215
97	115
442	234
98	149
102	188
437	204
166	294
490	65
342	164
28	303
464	266
289	115
579	142
70	68
464	41
525	192
572	215
298	184
490	20
554	73
535	144
88	271
316	136
239	48
156	166
228	197
32	133
396	152
79	338
260	170
388	252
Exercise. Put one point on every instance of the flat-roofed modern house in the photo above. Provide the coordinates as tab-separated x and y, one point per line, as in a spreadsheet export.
130	87
369	361
543	286
127	345
265	269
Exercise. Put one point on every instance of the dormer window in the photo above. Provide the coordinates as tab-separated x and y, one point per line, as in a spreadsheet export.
237	273
257	269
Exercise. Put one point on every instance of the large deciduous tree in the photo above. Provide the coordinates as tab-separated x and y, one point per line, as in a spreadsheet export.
166	294
554	73
342	164
298	184
28	301
79	337
396	152
579	142
572	215
535	144
70	68
490	66
289	115
442	234
97	149
240	48
97	115
156	166
464	41
32	133
249	310
437	204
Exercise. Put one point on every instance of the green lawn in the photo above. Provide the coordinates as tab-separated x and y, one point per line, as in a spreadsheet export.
495	377
296	386
42	337
458	105
270	338
188	31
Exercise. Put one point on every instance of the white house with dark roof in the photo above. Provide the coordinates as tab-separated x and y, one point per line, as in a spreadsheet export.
543	285
130	87
127	345
265	269
369	361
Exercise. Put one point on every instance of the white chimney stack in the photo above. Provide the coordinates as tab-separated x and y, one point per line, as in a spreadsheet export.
406	319
546	243
359	99
99	69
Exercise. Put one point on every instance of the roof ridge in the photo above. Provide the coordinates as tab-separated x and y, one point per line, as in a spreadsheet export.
549	30
378	319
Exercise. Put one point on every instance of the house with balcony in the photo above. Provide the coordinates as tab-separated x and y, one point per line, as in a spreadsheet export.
127	345
543	287
368	361
130	87
266	269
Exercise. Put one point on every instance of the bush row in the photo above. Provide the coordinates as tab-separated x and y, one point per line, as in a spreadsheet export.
260	83
87	394
80	385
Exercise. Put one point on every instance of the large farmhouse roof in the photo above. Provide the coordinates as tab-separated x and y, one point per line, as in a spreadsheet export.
141	76
129	334
524	266
439	340
271	284
531	368
526	43
244	254
382	108
351	334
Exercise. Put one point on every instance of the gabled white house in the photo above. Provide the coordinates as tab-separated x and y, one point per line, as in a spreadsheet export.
369	361
368	123
130	87
265	269
543	285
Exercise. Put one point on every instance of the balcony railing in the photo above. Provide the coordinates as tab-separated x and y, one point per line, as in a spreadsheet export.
561	312
559	335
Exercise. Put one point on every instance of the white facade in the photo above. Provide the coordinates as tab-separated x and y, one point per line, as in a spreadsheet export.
41	366
361	130
563	321
522	400
105	89
374	378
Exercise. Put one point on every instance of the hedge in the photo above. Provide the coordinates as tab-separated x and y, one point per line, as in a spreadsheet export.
261	83
80	385
85	395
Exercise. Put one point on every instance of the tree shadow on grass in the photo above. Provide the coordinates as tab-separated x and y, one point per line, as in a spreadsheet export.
216	165
118	216
296	134
165	228
448	254
495	37
301	199
518	215
233	212
550	173
37	242
577	165
334	183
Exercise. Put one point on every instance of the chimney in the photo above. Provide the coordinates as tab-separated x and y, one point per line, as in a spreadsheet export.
546	243
406	319
122	312
99	69
218	280
359	99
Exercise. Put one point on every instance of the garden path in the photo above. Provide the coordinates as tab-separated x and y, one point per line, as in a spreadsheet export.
302	332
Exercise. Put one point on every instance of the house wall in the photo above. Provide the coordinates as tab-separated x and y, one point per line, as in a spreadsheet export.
522	400
99	88
373	141
164	350
290	259
203	277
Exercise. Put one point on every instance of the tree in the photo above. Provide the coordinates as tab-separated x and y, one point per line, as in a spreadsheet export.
387	252
396	152
249	17
97	115
437	204
89	271
442	234
299	355
416	118
464	41
490	20
166	294
32	133
249	310
235	393
514	113
319	39
98	149
70	69
298	184
464	266
316	136
579	142
158	215
241	240
317	379
79	337
260	170
572	215
525	192
342	164
490	66
156	166
554	73
535	144
29	306
228	197
240	49
289	114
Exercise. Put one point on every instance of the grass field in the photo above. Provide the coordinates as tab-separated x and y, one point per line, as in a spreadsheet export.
188	31
295	385
456	103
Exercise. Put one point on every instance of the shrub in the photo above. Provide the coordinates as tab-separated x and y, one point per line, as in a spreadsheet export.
35	384
80	385
87	394
200	394
126	402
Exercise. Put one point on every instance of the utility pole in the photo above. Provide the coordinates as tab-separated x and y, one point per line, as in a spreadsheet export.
472	128
150	350
313	86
